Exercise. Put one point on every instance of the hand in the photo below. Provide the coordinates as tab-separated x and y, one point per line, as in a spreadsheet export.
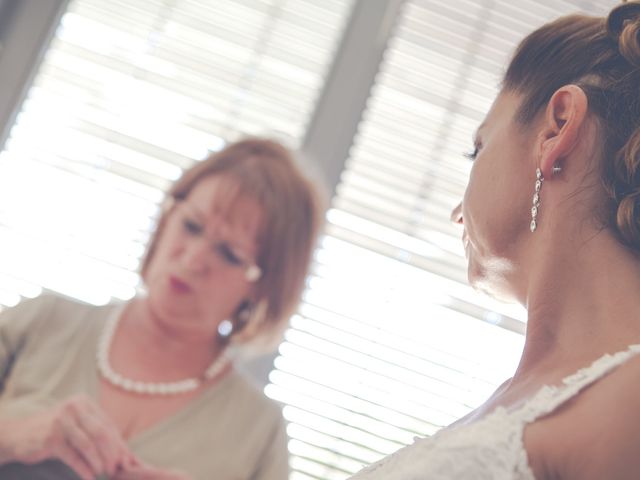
76	432
141	471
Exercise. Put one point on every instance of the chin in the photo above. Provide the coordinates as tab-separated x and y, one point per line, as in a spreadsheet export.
164	304
490	283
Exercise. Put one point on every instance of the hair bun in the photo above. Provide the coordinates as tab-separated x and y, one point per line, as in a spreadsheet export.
623	26
628	214
628	219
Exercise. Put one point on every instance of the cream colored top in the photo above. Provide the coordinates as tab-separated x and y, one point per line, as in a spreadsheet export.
48	353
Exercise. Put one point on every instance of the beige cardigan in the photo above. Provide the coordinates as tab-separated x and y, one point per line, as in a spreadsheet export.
47	353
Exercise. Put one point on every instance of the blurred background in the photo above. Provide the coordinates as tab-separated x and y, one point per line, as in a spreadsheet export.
104	102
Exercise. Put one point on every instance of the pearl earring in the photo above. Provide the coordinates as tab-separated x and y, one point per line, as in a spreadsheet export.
225	329
228	327
253	273
536	201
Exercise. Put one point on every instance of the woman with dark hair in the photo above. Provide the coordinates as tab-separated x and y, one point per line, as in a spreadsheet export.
133	389
551	219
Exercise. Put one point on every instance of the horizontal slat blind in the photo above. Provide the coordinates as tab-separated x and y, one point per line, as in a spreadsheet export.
130	93
390	342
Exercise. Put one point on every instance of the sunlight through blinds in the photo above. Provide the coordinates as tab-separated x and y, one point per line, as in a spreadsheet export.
130	93
390	342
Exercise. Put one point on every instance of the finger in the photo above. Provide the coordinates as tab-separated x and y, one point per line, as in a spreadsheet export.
130	460
80	442
71	458
122	453
106	442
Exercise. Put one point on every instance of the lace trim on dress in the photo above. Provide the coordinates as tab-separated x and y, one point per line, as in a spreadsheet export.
492	447
549	398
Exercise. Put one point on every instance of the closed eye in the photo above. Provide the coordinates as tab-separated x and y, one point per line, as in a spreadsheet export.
477	146
193	228
471	155
228	255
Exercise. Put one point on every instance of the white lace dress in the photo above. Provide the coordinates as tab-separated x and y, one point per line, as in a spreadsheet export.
491	448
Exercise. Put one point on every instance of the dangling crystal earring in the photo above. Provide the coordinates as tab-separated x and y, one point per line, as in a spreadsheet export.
536	201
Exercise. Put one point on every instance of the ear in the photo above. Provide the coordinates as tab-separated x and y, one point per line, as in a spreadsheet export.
564	117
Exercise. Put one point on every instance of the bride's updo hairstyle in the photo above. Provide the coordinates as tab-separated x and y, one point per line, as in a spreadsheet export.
602	56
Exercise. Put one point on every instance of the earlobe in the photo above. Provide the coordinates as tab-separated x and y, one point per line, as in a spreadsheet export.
564	117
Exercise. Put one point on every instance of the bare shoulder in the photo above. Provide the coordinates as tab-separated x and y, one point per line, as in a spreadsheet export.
595	435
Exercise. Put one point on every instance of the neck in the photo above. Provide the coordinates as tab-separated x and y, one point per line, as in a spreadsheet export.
178	347
179	333
582	302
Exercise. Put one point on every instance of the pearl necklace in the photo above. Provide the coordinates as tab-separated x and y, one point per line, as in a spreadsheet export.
149	388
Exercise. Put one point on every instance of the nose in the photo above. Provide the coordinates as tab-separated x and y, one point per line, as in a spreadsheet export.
456	214
196	255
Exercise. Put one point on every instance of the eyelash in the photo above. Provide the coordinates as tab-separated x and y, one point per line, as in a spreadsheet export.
192	227
229	255
472	155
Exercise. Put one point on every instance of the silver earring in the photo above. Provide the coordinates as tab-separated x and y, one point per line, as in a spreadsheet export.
225	329
536	201
228	327
556	169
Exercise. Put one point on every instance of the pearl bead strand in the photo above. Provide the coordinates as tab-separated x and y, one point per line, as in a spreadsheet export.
147	388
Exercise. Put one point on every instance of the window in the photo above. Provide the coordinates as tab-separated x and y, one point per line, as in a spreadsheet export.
129	94
389	342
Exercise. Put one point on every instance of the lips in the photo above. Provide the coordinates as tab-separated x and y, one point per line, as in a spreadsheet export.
178	285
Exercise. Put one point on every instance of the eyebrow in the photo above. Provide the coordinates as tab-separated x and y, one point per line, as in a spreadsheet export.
240	248
193	209
244	248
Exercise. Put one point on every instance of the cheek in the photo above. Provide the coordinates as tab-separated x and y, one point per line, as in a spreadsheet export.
222	295
159	264
475	204
225	288
494	212
168	247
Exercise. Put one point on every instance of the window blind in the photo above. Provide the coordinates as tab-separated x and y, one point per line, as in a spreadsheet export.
390	342
129	94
